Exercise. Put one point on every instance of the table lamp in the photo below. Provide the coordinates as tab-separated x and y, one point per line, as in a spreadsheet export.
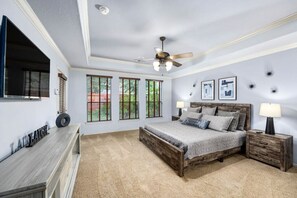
180	105
270	111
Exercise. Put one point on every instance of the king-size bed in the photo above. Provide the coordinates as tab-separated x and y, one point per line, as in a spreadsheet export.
181	146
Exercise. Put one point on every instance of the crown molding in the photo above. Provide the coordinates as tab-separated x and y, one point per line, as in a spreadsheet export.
230	61
129	74
30	14
271	26
84	23
96	58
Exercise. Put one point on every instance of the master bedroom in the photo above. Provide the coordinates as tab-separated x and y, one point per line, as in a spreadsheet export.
105	98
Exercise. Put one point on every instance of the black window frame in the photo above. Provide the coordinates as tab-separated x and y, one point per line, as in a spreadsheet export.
136	99
157	112
108	98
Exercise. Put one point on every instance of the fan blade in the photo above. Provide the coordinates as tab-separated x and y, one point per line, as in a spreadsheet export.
176	64
184	55
143	60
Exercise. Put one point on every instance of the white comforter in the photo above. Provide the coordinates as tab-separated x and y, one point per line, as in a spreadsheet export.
195	141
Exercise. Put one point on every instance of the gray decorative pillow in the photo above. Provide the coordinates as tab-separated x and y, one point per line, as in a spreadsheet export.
234	123
218	123
190	121
202	124
209	110
241	122
196	109
187	114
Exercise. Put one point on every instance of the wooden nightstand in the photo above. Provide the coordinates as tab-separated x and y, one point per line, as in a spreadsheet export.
276	150
175	117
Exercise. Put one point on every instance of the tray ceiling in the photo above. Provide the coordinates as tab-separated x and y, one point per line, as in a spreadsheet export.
211	30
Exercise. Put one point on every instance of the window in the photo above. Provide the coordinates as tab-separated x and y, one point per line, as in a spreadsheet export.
129	102
62	93
153	98
99	98
36	83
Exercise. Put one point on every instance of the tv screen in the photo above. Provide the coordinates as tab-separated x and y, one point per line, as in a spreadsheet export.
24	68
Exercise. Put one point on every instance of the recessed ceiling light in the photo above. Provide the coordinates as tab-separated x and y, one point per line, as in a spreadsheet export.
103	9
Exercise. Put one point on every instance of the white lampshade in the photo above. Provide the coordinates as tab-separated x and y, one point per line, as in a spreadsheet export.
180	104
168	65
270	110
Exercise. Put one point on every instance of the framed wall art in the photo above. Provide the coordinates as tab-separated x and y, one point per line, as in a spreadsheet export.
228	88
208	90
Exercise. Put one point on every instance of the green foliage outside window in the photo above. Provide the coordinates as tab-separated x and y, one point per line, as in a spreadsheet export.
129	101
153	98
99	98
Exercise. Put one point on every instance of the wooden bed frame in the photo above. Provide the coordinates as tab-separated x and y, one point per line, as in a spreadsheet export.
174	156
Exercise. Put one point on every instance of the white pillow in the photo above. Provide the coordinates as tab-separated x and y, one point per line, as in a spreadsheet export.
209	110
218	123
187	114
194	109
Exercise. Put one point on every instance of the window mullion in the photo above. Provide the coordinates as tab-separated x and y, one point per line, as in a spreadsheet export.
99	91
122	106
159	99
91	99
106	98
148	99
154	98
129	98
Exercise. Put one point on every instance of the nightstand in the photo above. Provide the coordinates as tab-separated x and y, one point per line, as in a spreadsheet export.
175	117
276	150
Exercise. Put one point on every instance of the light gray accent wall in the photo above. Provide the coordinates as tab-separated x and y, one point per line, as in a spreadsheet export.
284	67
78	102
18	118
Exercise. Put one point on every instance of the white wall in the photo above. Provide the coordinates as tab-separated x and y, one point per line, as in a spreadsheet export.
78	102
17	118
284	66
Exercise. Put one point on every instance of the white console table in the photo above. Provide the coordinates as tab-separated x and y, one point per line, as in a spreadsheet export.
46	170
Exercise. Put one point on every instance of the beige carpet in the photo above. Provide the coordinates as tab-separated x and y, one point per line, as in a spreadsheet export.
119	165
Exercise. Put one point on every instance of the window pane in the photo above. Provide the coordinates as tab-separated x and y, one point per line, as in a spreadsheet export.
126	110
89	112
103	92
103	111
95	111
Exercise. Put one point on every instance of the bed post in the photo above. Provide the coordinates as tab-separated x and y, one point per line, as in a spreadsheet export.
172	155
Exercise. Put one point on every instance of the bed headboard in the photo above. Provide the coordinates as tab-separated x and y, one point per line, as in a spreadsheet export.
243	108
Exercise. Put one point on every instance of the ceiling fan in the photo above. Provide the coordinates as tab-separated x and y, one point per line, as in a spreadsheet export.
164	59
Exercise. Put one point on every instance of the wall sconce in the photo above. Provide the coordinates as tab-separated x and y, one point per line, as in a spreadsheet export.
274	90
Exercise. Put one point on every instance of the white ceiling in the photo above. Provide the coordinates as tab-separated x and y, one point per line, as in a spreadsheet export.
213	30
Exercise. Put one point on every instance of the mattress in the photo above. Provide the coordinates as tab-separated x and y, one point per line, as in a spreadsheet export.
195	141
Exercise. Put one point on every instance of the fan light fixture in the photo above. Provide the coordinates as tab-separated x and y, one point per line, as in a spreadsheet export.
103	9
157	64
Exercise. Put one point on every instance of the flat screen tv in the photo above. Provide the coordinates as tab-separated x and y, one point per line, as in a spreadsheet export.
24	68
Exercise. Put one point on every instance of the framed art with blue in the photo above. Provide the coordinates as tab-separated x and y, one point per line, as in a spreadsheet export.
228	88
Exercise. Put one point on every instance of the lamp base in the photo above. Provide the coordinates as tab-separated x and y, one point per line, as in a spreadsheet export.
269	126
180	112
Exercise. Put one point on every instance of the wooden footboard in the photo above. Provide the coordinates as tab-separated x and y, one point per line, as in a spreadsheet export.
172	155
211	157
